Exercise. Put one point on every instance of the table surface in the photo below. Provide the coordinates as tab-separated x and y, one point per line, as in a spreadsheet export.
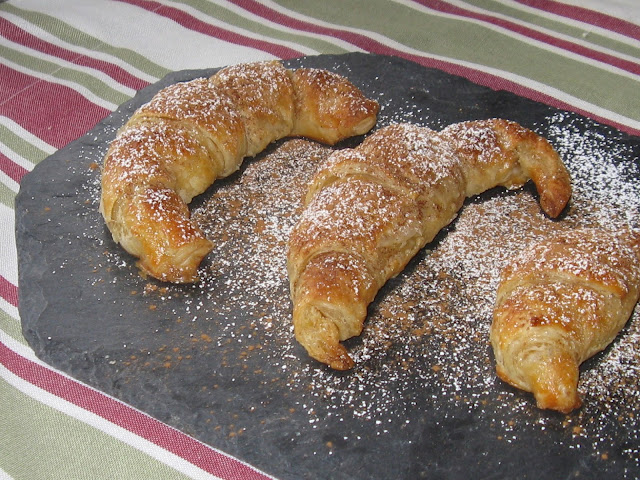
66	65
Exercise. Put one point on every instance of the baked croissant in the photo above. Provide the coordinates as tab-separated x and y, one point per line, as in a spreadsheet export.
369	210
560	302
189	134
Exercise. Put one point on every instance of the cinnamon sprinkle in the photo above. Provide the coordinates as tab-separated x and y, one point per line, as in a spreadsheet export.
431	324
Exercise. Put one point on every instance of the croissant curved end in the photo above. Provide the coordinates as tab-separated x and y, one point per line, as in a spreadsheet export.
320	337
502	152
329	108
550	372
556	388
554	196
181	266
544	166
561	397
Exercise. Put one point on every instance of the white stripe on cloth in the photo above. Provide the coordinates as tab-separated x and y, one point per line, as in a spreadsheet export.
27	137
81	89
329	39
628	10
8	253
9	309
24	351
105	426
585	27
529	40
510	76
4	475
9	182
64	64
94	53
173	44
203	17
16	157
564	97
119	433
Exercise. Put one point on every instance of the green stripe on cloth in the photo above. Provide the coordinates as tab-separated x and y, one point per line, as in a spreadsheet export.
587	34
487	48
74	36
86	80
234	19
21	146
11	327
7	196
38	450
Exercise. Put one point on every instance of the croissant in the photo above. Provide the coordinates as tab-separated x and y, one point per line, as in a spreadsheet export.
369	210
192	133
559	302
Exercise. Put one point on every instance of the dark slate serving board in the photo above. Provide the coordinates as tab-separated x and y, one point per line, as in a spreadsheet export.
187	356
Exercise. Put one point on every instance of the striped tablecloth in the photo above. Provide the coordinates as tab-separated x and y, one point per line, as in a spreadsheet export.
66	64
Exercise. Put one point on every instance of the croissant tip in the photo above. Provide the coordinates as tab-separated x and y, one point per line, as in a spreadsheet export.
555	201
343	362
334	355
565	406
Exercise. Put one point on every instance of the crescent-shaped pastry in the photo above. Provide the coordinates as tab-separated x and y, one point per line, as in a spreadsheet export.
192	133
559	302
369	210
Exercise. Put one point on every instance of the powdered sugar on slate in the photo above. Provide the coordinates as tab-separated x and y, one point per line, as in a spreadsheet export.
428	330
431	324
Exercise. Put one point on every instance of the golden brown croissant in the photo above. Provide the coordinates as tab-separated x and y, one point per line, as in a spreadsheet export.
191	133
369	210
560	302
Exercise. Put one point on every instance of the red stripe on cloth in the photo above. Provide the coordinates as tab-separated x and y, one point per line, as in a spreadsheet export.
132	420
54	113
17	35
586	15
14	171
499	83
581	50
192	23
373	46
8	291
359	40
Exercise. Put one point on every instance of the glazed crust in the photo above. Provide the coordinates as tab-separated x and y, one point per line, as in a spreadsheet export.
192	133
369	210
559	302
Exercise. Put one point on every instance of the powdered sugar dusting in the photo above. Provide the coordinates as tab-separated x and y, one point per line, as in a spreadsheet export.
431	325
425	344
